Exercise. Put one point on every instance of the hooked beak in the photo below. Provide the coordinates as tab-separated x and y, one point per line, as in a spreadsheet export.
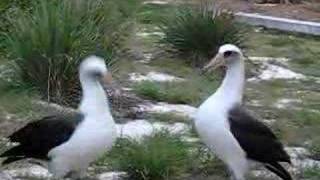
216	62
107	79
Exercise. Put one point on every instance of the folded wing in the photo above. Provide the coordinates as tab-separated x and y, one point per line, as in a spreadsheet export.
37	138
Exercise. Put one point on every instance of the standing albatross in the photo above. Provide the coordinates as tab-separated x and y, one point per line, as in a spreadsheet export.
231	132
71	142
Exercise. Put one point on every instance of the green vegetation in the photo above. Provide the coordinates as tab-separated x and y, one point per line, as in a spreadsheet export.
302	49
306	118
48	43
160	156
208	164
18	103
294	127
312	173
193	91
315	147
154	14
8	9
175	67
168	118
213	28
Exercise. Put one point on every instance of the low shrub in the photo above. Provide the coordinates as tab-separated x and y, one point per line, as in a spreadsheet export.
197	33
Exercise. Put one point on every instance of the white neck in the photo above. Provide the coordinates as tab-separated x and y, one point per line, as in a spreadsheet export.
231	90
94	100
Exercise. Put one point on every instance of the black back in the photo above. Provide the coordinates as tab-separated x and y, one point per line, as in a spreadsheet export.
258	141
37	138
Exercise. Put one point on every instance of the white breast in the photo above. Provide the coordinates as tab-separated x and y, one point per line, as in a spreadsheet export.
92	138
213	128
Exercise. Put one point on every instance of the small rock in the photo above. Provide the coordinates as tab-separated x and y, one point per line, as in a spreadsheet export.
34	171
136	55
263	174
112	176
176	128
156	2
255	102
285	103
178	109
153	76
126	89
269	59
276	72
297	152
147	34
300	159
191	139
269	121
258	29
273	68
5	176
140	128
146	58
135	129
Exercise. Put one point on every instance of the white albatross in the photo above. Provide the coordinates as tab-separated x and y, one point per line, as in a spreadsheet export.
71	142
228	130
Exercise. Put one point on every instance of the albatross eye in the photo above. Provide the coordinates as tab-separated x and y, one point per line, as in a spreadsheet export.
96	74
227	54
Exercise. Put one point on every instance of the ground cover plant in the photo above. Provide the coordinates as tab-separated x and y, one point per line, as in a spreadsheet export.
156	157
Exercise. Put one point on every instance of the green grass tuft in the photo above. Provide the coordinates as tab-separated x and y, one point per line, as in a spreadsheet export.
305	118
205	162
312	173
160	156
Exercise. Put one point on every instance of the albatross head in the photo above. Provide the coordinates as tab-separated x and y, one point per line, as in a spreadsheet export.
94	69
227	55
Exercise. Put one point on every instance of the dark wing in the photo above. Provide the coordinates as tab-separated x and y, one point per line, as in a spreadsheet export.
258	141
37	138
255	138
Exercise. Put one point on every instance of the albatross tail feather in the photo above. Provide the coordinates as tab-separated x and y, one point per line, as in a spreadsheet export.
13	154
15	151
276	168
11	160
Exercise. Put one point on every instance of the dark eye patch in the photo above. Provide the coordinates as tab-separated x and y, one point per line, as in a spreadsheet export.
96	74
227	54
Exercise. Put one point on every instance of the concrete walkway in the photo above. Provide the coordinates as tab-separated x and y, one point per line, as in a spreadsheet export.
285	24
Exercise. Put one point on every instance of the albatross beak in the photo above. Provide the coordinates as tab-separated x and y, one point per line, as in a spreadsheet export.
107	78
216	62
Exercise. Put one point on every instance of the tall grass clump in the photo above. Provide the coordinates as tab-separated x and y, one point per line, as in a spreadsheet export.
48	43
197	33
8	9
156	157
